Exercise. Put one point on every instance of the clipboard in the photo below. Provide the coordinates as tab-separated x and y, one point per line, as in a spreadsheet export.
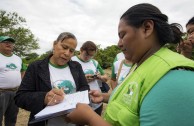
65	112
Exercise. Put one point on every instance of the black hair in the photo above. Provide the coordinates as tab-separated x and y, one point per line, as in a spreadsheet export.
178	32
137	14
65	35
191	21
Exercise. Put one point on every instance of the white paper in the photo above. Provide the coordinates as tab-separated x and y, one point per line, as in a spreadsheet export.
69	102
94	85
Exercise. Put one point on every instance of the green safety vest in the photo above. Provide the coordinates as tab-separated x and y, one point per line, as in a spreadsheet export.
124	105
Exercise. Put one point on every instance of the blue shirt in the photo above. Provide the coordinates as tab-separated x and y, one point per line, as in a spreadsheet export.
170	102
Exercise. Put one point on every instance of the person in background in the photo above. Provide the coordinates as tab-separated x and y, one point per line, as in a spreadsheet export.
159	89
11	72
186	46
46	81
119	56
120	70
92	69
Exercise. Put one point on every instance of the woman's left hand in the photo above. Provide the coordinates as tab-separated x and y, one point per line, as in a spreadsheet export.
96	96
89	78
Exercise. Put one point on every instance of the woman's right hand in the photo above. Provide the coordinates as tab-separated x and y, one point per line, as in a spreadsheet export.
54	97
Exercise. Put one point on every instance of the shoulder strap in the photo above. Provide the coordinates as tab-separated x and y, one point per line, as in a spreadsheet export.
119	71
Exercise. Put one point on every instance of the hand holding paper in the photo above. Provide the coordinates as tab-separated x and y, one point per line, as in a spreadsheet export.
69	102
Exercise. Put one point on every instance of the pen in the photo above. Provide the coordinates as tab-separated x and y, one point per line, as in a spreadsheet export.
58	87
51	99
55	87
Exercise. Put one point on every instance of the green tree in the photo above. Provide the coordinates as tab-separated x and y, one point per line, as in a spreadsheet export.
31	56
11	24
106	56
45	55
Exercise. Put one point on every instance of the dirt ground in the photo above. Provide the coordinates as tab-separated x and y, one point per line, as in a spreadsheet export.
22	119
23	116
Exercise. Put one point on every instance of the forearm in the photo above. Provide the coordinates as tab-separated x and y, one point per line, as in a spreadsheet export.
96	120
113	83
84	115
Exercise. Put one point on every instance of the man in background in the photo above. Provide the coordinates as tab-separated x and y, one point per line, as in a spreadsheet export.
11	73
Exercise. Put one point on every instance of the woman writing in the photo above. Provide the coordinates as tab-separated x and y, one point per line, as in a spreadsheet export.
46	81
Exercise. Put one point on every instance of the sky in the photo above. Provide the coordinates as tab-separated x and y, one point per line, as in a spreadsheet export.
94	20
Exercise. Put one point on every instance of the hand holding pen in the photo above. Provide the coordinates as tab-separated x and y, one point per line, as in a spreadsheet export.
54	96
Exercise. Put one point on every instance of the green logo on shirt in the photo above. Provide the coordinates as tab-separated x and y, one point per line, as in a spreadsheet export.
131	95
11	66
66	85
89	71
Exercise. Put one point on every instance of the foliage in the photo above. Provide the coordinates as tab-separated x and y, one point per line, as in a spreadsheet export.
76	53
171	46
34	56
106	56
30	58
45	55
11	24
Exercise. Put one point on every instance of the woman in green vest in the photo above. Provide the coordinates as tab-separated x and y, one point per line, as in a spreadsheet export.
159	90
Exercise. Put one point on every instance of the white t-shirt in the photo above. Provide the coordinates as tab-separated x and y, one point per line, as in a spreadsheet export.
10	67
124	70
89	67
119	56
61	77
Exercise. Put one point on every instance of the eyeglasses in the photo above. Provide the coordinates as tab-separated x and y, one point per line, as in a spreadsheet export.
190	33
185	36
